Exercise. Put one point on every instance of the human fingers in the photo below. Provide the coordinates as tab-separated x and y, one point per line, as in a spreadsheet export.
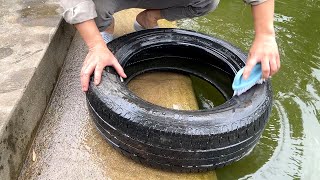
251	62
88	59
265	67
86	72
98	73
273	65
278	61
118	68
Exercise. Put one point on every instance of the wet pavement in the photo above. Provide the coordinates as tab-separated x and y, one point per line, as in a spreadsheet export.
68	146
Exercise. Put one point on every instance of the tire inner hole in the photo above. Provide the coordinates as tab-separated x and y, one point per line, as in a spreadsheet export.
209	92
211	77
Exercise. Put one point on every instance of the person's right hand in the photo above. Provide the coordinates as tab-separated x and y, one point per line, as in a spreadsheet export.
98	57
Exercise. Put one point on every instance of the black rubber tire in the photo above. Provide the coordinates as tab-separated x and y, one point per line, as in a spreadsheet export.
184	141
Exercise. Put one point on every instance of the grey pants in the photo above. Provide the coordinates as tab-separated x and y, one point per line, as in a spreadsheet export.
170	9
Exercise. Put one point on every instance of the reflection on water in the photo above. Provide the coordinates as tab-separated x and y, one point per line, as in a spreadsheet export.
290	145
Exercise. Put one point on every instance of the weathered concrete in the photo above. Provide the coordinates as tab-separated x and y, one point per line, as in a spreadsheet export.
32	51
68	146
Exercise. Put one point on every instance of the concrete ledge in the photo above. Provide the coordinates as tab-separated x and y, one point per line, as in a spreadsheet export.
18	124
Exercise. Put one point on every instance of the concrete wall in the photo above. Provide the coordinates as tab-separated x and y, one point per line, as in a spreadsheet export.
17	129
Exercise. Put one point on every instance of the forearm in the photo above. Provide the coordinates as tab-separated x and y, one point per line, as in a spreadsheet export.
90	33
264	48
263	18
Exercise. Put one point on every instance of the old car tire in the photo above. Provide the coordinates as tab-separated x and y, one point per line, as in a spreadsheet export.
184	141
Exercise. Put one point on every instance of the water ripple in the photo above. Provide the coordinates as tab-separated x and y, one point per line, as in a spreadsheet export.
285	163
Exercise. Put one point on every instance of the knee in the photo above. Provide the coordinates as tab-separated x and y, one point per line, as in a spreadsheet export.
213	5
105	11
202	7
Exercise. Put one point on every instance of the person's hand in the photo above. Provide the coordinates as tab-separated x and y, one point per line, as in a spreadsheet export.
99	56
265	51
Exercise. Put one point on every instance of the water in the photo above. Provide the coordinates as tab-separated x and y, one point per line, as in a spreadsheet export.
207	95
290	145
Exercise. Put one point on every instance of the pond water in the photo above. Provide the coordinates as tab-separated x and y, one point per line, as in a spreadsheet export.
290	145
207	95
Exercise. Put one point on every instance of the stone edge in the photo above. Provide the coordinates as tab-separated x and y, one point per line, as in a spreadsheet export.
17	134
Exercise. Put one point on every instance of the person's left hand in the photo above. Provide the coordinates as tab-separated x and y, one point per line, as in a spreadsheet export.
265	51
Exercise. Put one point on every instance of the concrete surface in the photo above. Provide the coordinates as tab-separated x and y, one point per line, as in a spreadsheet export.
32	52
68	146
170	90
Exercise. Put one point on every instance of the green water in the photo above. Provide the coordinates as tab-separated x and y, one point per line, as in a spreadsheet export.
290	145
207	95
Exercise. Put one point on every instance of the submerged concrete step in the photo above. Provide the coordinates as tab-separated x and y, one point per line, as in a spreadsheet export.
166	89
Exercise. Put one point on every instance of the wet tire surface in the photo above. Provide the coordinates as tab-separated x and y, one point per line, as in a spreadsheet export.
184	141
